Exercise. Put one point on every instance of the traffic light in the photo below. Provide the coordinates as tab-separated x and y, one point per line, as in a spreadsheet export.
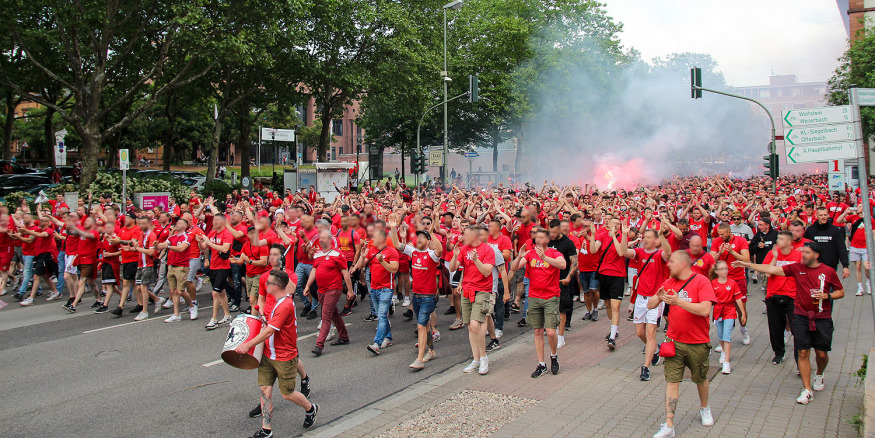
771	165
473	88
423	163
414	164
696	83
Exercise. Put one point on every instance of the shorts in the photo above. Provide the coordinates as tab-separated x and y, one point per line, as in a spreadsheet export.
455	278
252	287
176	277
643	315
43	264
423	307
87	270
858	254
194	265
218	277
70	264
724	329
108	274
482	307
146	276
17	255
611	287
129	271
588	280
6	260
543	313
820	339
566	298
404	264
286	371
742	285
692	356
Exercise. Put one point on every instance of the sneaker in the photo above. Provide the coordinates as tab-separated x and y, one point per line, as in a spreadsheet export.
554	365
499	333
595	314
173	318
167	304
506	314
160	303
316	351
340	342
483	369
522	323
612	344
654	361
53	296
261	433
137	309
859	290
645	374
787	335
493	345
539	371
417	365
346	311
141	316
475	364
392	309
561	342
628	292
96	304
406	302
192	311
255	413
226	320
777	359
332	332
514	308
664	432
630	317
804	397
386	344
200	283
719	348
722	357
305	386
374	348
435	335
27	302
601	305
450	311
310	418
371	318
212	325
429	355
582	298
305	311
707	419
726	368
69	308
312	315
118	311
745	336
101	309
457	324
408	314
817	385
587	316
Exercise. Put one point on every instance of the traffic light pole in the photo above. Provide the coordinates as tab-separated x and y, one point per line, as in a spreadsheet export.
773	148
864	185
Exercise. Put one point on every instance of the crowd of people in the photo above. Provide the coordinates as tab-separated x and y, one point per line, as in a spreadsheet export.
683	252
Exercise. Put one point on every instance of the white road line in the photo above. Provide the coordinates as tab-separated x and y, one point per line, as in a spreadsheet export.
154	318
216	362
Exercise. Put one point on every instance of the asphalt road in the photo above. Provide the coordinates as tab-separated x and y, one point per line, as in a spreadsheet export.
97	375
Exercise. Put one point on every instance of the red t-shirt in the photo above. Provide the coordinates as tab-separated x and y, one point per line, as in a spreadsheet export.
472	279
147	241
543	278
105	248
311	237
726	294
612	263
329	266
220	238
808	280
132	233
194	251
88	248
177	258
652	271
702	263
686	327
738	243
283	344
242	228
778	285
380	277
587	261
44	245
346	242
502	242
858	240
700	227
269	300
30	248
255	253
523	233
71	244
424	272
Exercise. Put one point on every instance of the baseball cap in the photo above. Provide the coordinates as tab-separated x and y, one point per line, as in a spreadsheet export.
424	233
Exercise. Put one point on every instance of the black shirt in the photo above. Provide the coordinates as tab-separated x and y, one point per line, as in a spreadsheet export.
565	246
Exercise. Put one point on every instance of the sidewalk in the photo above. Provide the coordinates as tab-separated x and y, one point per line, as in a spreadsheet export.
598	393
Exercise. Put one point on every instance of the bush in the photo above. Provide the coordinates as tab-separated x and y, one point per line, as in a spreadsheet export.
13	200
112	184
218	189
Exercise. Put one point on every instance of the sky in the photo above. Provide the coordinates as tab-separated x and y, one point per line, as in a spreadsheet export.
749	39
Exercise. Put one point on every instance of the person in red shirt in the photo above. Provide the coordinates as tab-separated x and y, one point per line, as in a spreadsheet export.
162	229
254	258
218	243
86	259
280	358
612	269
690	297
542	269
146	275
178	256
587	263
728	297
28	251
857	253
349	243
330	273
237	228
7	250
729	248
817	285
702	261
476	260
128	235
109	268
193	281
39	240
382	260
308	237
780	293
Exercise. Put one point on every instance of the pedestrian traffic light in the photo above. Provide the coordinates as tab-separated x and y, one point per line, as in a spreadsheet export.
473	88
771	165
414	164
423	166
696	83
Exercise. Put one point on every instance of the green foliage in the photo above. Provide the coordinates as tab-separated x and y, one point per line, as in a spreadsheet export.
861	373
112	184
218	189
856	67
13	200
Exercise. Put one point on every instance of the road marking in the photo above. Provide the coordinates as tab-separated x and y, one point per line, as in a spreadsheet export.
216	362
316	334
154	318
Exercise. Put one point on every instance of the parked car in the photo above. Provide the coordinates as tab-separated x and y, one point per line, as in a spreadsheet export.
20	183
33	192
17	169
66	172
177	174
196	183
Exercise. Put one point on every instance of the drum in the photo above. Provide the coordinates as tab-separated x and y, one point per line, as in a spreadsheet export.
243	329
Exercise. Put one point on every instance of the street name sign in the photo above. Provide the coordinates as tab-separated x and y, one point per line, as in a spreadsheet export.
866	96
818	116
820	134
822	152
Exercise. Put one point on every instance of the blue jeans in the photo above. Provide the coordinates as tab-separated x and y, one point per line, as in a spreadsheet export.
237	272
724	329
61	266
27	275
498	313
303	273
384	302
423	307
526	297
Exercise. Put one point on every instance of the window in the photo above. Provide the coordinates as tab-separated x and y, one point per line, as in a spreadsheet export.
337	127
333	153
340	151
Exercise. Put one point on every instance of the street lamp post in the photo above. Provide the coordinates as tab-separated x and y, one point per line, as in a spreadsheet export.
454	5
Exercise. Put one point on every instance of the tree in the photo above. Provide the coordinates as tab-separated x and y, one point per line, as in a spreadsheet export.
857	67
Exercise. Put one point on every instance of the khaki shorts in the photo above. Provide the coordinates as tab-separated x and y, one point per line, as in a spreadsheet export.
482	307
692	356
176	277
543	313
286	371
252	286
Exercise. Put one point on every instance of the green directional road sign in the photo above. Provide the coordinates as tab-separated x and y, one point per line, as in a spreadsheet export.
820	134
822	152
818	116
866	96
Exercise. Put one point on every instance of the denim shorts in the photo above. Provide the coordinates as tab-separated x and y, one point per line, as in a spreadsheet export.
724	329
423	307
588	280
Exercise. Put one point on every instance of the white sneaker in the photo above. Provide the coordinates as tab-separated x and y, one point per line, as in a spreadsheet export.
192	311
406	302
499	333
386	343
817	385
168	303
173	318
722	357
27	302
745	336
859	290
394	300
435	336
561	342
200	282
319	326
582	298
484	366
160	303
868	287
332	332
726	369
475	364
719	349
804	397
213	324
141	316
628	292
53	296
3	292
226	320
664	432
707	419
601	305
429	355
